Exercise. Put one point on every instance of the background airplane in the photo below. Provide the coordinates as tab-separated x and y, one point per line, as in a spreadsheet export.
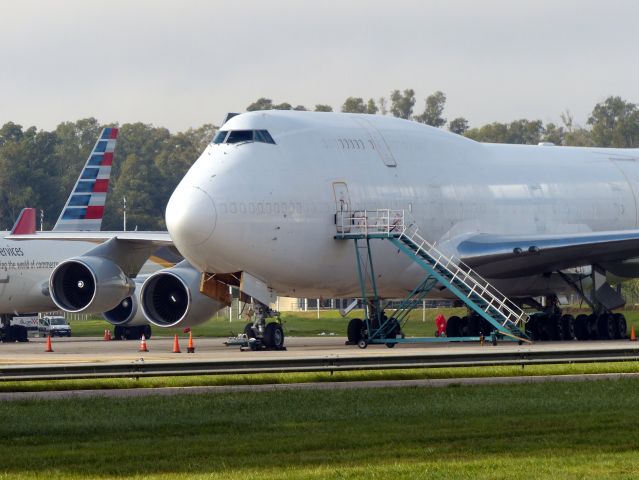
27	258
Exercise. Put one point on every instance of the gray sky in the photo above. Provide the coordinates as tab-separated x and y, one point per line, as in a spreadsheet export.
184	63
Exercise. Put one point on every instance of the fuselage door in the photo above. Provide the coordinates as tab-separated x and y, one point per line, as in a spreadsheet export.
342	206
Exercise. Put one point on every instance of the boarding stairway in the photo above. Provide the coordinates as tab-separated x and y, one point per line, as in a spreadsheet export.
477	293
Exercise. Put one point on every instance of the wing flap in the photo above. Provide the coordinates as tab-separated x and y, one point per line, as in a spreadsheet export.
504	256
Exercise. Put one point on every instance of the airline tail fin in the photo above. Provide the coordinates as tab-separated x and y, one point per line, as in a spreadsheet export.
26	222
85	206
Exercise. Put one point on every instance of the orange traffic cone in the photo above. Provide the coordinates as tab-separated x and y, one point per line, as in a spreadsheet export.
176	345
190	348
109	335
104	337
633	336
143	345
48	349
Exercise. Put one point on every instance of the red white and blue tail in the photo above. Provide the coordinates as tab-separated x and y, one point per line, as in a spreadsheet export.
85	207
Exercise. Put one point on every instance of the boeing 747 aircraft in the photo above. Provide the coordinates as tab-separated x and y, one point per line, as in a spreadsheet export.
268	204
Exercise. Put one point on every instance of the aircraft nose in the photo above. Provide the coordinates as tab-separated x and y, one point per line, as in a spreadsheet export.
190	216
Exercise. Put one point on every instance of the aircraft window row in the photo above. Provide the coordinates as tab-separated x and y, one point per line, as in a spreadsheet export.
349	143
238	136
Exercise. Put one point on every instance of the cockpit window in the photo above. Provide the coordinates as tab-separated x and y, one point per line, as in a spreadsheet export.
220	136
238	136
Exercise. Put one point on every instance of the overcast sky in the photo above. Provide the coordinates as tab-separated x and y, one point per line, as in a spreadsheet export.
181	64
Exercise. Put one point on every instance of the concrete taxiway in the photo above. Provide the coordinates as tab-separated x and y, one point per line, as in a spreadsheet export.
95	350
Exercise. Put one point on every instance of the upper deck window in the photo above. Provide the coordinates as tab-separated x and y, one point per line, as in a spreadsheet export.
239	136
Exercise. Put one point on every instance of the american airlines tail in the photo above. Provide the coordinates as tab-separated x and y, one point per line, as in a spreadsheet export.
85	207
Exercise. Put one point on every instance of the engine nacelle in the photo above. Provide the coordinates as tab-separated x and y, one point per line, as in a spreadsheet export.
172	298
89	284
128	312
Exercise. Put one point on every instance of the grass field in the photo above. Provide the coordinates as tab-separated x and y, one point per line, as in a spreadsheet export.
304	324
560	431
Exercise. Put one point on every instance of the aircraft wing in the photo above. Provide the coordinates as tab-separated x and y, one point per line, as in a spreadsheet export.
504	256
127	249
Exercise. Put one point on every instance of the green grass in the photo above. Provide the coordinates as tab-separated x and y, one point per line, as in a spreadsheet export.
558	431
282	378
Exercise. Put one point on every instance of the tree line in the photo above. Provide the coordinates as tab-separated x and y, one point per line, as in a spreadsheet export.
38	168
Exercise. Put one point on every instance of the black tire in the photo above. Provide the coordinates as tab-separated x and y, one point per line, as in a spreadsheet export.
568	327
472	326
21	333
362	343
486	327
552	328
621	328
581	327
274	336
390	344
542	326
146	330
605	327
354	331
248	330
593	327
118	333
531	328
453	327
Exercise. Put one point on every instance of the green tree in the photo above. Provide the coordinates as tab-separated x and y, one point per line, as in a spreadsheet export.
402	103
260	104
371	108
323	108
354	105
553	134
518	131
283	106
432	115
615	123
459	125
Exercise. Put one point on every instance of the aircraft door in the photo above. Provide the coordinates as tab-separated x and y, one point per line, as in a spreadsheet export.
342	207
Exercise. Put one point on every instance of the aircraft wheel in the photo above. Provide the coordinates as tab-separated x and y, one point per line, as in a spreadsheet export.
531	328
620	325
146	330
568	327
552	327
362	343
354	330
274	336
453	327
248	330
581	327
391	344
603	322
472	326
593	327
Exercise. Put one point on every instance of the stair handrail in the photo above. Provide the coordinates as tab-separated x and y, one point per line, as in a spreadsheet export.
393	223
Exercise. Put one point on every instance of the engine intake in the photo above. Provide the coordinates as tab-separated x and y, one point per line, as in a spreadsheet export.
171	298
128	311
89	284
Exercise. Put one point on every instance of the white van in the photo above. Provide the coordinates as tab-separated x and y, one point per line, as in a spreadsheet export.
54	326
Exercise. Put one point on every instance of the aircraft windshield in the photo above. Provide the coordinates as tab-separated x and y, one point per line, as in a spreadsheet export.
238	136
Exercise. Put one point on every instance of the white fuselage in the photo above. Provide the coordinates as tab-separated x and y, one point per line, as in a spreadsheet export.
25	267
269	209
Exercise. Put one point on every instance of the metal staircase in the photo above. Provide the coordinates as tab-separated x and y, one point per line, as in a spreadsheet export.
400	228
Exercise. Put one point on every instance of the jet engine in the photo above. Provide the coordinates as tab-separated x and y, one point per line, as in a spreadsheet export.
128	318
89	284
172	298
